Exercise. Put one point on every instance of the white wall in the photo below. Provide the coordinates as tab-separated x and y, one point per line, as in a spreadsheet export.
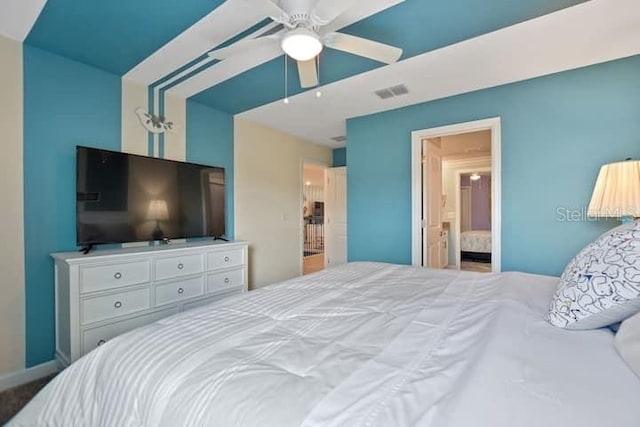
450	210
268	186
12	301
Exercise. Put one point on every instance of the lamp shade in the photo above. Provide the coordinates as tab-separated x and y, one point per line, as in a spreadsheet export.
301	44
617	191
158	210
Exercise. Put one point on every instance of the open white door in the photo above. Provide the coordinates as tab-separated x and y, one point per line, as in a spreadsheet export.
418	159
432	203
336	216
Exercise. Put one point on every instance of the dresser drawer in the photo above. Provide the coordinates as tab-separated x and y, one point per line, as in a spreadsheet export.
114	305
103	277
177	291
228	279
184	265
224	259
94	337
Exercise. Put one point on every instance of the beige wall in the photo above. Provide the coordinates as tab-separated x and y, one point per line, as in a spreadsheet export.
314	175
175	143
134	136
12	304
268	187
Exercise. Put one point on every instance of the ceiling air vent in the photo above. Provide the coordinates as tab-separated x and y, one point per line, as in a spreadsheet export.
399	90
339	138
384	93
392	91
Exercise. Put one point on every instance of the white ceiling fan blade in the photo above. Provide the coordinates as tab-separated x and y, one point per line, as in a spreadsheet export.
270	9
308	73
326	11
243	46
363	47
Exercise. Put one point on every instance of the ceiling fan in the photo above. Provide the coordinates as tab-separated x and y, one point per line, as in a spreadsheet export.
304	37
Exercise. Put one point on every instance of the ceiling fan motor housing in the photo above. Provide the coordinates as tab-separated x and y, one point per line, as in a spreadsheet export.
296	7
302	20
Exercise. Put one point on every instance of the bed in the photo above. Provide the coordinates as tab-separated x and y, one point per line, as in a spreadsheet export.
365	344
475	245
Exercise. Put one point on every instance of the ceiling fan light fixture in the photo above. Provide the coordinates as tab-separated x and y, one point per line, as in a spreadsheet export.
301	44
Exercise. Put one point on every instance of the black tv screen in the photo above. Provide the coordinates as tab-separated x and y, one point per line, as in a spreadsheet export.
129	198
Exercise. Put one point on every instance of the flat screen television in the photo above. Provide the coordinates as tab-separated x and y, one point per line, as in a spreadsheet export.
129	198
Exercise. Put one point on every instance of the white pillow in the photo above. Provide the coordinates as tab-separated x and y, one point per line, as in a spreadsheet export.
601	285
628	342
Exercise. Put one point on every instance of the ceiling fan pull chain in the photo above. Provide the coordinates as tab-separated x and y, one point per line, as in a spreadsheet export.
318	92
286	97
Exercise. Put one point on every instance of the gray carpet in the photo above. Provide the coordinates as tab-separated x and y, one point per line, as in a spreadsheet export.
14	399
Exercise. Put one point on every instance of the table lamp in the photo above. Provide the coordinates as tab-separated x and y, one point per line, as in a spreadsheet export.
158	211
617	192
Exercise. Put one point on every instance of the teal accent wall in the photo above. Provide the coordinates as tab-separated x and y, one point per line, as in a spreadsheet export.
339	157
210	142
65	104
556	133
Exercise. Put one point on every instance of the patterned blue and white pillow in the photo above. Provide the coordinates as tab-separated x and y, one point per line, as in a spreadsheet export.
601	285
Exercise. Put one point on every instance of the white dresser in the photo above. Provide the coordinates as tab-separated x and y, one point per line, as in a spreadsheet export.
109	292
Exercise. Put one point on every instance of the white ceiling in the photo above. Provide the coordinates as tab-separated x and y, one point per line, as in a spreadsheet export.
466	145
590	33
18	16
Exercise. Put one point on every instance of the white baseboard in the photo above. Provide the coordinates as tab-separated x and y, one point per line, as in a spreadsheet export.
24	376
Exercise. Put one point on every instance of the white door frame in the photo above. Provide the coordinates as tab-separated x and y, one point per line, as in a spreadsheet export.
457	226
492	124
313	162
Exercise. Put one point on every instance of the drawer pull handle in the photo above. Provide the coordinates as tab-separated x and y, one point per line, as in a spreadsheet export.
101	342
117	275
180	290
180	266
226	259
117	304
226	280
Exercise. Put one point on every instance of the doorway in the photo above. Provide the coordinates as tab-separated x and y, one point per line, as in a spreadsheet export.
472	233
313	218
456	172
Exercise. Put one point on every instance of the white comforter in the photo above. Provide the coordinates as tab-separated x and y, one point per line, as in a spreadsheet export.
360	345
